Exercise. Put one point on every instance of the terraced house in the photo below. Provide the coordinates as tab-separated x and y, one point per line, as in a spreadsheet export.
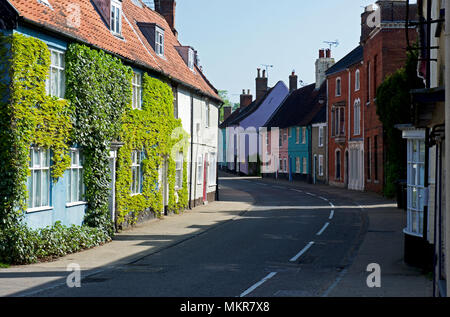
105	114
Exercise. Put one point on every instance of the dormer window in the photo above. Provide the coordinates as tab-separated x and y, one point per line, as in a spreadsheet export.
116	17
191	59
159	41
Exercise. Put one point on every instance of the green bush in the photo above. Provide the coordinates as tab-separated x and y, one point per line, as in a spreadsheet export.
22	245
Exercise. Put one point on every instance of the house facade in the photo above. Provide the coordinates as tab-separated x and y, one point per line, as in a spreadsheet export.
144	41
242	128
345	133
427	137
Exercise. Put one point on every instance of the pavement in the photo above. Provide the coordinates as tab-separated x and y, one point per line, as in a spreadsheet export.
381	243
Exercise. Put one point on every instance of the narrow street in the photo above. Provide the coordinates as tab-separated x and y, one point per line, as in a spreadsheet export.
291	243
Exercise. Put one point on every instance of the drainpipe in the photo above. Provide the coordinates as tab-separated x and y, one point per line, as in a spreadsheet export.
192	151
219	135
447	138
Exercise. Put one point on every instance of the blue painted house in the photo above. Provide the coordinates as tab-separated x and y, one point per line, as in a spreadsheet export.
147	44
296	116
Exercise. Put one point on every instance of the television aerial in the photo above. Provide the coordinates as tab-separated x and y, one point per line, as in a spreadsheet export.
332	43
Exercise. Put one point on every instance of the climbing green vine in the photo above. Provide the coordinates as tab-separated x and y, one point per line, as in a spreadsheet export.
28	117
99	87
153	131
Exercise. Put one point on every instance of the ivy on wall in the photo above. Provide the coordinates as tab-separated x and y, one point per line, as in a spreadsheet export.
153	130
394	107
28	116
99	88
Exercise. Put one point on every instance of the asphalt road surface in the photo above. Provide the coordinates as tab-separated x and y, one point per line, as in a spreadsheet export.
292	243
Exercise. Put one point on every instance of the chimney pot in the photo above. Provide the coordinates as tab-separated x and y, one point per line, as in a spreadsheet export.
328	52
264	73
259	72
248	91
321	53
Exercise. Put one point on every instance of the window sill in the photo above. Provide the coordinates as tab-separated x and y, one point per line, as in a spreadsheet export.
74	204
137	194
38	209
409	233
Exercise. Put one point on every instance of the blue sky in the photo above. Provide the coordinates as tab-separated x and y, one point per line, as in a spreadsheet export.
234	37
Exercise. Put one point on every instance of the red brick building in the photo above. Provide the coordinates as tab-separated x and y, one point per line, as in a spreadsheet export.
345	92
383	38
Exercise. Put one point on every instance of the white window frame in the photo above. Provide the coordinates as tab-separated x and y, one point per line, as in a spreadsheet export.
357	117
179	171
159	41
320	165
116	17
136	160
281	165
285	165
212	169
305	165
303	135
56	69
297	135
338	87
200	170
416	187
297	165
76	168
321	136
191	57
207	115
357	80
41	168
137	91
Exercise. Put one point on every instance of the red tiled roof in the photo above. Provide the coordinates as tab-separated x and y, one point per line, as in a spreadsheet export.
132	46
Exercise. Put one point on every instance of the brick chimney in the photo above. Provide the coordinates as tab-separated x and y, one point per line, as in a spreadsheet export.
324	62
293	82
261	84
167	9
226	112
246	98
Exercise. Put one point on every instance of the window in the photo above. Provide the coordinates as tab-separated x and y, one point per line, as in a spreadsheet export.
357	80
136	172
338	86
338	165
179	171
321	136
305	165
116	17
280	138
38	185
191	57
338	121
159	41
212	169
416	186
137	91
375	79
207	115
297	165
297	135
357	117
75	185
285	135
285	165
303	135
56	82
320	165
281	165
200	170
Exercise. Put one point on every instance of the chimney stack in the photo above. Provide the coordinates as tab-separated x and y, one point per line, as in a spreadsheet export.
322	64
261	84
167	9
246	98
226	112
293	82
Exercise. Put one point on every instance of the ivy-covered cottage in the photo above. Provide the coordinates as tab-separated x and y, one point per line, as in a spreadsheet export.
105	118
